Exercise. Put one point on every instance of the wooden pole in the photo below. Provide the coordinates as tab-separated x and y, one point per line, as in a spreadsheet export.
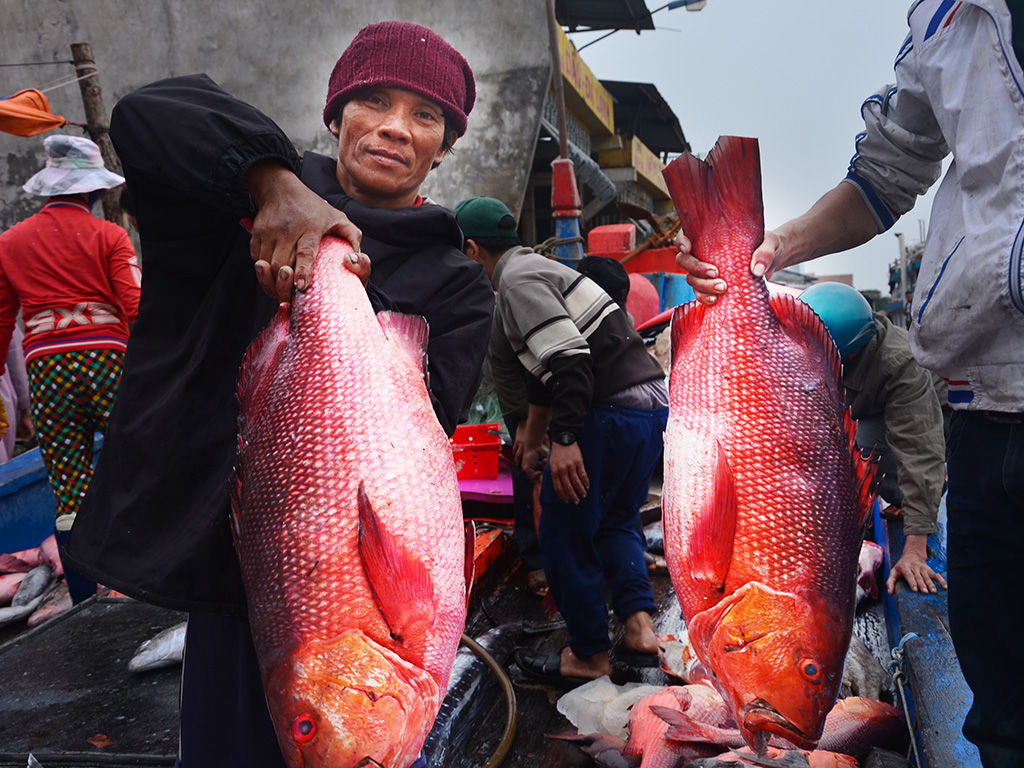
98	124
556	73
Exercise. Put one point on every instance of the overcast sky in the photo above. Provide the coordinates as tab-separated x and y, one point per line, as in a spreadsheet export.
792	73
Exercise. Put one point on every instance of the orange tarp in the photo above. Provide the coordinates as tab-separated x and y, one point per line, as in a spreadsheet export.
27	113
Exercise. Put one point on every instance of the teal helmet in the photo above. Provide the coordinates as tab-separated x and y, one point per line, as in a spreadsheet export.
846	314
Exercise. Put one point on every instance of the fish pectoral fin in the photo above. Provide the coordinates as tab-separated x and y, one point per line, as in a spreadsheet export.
401	585
711	544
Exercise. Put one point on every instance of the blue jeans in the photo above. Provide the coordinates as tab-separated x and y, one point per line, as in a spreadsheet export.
597	543
985	506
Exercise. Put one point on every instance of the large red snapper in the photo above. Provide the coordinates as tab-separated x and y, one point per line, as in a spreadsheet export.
348	526
764	496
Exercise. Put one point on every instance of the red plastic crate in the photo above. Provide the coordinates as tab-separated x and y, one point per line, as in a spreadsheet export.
475	448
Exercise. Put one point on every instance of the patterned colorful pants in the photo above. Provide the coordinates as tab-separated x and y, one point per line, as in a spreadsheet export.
72	394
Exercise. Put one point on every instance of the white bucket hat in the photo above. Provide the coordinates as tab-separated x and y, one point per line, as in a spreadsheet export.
73	165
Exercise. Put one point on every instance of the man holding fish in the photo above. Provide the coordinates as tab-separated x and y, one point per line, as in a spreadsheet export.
959	90
200	162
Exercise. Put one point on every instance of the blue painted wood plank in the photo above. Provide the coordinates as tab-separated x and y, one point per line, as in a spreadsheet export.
27	504
940	693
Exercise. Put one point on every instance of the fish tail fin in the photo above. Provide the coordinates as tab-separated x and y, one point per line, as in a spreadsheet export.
726	187
410	333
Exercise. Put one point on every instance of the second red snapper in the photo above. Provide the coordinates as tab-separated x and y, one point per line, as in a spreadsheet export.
348	526
764	497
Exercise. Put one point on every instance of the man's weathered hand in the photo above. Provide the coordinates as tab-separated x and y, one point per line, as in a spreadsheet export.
290	221
568	475
703	277
913	566
532	458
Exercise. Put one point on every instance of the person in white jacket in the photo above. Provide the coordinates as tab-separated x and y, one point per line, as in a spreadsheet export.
959	91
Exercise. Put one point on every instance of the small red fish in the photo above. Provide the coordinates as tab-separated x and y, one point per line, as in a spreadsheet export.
856	725
871	557
647	729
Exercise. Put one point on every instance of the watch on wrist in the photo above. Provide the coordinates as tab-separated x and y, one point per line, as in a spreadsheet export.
563	438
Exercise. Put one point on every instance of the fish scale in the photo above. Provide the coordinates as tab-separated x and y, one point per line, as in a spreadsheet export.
348	526
764	498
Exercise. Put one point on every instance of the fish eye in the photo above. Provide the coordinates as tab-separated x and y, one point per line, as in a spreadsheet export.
811	670
303	728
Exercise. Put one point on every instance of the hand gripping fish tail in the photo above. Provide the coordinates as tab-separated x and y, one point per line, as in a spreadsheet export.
724	190
764	497
351	541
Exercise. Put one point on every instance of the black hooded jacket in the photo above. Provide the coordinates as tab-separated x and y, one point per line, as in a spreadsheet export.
155	521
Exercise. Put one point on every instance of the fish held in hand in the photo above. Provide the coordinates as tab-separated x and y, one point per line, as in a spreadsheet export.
764	497
348	527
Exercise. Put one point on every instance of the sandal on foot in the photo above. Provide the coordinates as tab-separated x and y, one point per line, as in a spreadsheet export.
537	583
543	667
632	658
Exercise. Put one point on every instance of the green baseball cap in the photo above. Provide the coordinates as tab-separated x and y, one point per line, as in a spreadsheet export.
485	217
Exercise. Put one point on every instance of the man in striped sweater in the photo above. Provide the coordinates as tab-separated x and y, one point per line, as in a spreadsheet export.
601	399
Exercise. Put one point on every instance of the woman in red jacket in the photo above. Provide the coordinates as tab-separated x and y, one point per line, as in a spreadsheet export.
76	281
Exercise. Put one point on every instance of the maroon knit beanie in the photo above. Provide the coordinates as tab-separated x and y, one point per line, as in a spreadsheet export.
399	54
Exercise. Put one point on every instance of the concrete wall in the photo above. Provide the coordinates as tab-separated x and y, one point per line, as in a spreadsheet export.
278	55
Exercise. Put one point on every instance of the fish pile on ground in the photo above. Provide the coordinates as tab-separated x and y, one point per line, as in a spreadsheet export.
692	726
32	589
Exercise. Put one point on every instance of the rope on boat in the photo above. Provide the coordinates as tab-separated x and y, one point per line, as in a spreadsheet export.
512	713
550	246
899	677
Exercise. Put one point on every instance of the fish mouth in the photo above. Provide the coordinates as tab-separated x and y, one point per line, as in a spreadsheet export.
759	715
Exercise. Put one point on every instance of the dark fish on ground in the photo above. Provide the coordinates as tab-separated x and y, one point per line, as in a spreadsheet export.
29	596
9	583
605	750
472	689
885	758
863	674
765	498
348	526
165	649
56	602
777	758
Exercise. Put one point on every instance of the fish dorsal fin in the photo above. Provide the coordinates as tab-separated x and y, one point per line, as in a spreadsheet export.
410	333
686	322
803	325
262	352
711	546
867	479
725	188
401	585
